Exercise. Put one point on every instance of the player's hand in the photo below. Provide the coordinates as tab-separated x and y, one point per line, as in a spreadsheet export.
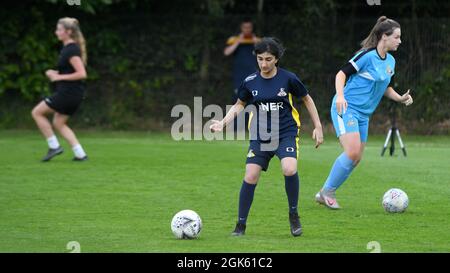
341	105
240	39
216	126
52	75
406	99
317	135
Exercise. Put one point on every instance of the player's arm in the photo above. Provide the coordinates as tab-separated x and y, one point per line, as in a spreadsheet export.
393	95
312	110
341	103
218	125
355	64
79	74
231	48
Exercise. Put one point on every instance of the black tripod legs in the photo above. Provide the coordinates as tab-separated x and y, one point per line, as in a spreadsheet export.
392	133
401	142
388	137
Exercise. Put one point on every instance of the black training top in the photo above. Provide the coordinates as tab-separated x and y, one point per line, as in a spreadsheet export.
65	67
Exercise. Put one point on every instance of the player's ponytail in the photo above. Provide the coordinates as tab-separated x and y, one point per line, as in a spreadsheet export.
384	25
76	35
271	45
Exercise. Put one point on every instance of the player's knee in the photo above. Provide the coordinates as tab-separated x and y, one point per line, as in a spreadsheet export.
251	178
354	154
34	113
289	170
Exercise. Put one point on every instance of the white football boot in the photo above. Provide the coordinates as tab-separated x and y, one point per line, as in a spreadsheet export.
327	198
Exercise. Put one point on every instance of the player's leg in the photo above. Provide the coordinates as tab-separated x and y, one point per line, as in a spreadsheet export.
341	170
353	144
291	181
348	130
60	124
363	133
252	174
361	152
39	114
257	160
288	153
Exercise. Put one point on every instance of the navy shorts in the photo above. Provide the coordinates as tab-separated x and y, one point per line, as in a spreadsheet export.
261	153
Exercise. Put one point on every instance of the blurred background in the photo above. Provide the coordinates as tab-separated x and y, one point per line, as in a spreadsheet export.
146	56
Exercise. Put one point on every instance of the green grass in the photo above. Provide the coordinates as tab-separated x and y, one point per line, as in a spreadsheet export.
123	198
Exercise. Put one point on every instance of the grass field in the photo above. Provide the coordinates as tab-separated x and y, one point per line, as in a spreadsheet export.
123	198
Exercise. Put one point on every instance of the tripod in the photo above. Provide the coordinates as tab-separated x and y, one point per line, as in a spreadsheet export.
392	133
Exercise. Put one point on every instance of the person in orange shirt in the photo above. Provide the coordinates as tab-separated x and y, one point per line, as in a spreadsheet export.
241	47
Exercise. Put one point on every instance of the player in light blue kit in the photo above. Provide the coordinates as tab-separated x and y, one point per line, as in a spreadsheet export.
369	75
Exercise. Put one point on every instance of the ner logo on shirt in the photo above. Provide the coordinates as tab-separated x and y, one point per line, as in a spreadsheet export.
270	106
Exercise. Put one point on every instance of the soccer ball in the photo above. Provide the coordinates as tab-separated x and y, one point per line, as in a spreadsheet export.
395	200
186	224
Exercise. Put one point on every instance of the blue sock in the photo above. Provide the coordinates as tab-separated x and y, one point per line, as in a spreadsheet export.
341	169
292	186
245	201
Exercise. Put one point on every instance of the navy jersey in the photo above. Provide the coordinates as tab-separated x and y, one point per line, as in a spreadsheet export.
272	96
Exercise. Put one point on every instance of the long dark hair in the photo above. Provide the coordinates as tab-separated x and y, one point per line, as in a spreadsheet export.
384	25
270	45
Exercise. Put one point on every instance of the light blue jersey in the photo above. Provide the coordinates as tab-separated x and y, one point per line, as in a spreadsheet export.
368	78
365	88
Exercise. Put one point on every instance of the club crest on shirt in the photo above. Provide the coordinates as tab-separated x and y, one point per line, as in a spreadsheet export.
389	70
255	93
282	93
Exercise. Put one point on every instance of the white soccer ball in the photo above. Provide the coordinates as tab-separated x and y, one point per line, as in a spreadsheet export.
186	224
395	200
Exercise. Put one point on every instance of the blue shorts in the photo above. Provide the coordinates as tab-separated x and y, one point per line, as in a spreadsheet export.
261	153
350	122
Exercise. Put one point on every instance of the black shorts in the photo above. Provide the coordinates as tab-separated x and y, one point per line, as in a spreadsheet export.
63	103
261	155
